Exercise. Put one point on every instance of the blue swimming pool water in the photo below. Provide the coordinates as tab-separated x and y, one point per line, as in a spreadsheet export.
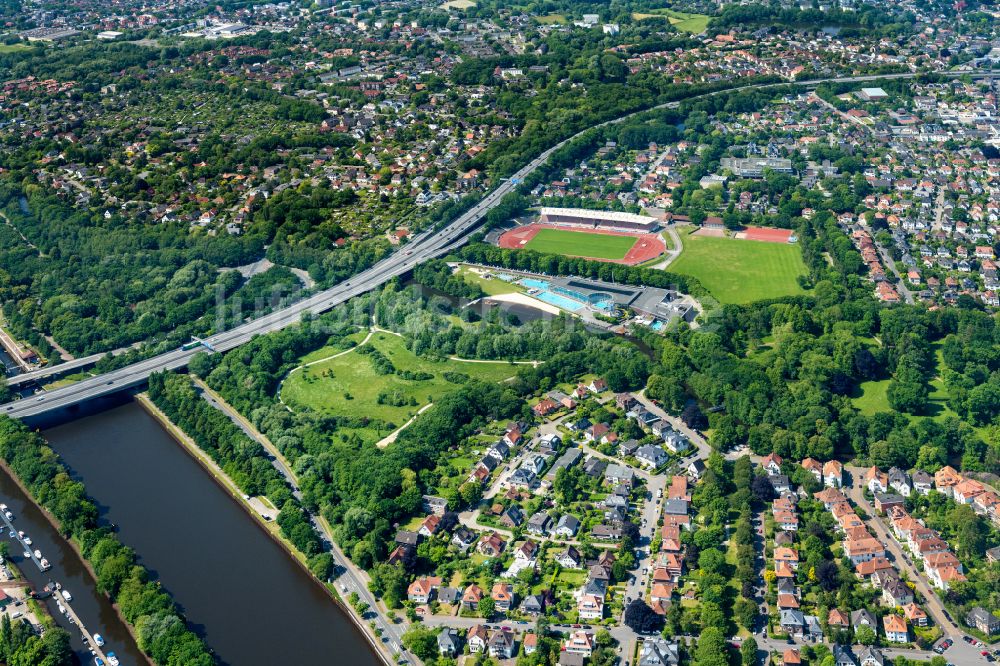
657	325
532	283
558	301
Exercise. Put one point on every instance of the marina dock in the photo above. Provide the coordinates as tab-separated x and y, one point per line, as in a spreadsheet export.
88	638
56	589
27	548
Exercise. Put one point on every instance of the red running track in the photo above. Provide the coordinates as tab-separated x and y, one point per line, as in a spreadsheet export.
646	247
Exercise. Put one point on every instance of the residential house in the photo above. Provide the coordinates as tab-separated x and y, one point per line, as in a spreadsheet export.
814	467
491	545
870	656
833	474
651	456
567	526
896	593
983	620
863	618
463	538
772	463
429	526
793	622
896	630
657	651
502	645
478	639
842	655
915	615
837	619
513	517
570	558
533	604
421	590
471	597
696	469
449	643
539	524
503	596
579	642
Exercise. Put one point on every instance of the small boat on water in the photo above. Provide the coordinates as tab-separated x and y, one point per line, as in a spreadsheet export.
27	554
12	534
62	609
27	541
98	661
3	507
9	515
45	564
99	640
20	533
112	659
38	554
67	596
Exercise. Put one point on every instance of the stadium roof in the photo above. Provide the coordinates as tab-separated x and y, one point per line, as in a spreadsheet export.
613	215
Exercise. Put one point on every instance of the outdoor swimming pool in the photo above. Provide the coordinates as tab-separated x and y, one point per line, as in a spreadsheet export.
549	296
559	301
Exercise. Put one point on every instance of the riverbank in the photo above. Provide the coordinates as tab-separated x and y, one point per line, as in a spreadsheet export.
219	476
78	552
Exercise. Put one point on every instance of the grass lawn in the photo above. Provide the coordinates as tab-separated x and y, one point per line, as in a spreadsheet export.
12	48
67	380
581	244
492	286
873	397
349	384
458	4
741	271
551	18
693	23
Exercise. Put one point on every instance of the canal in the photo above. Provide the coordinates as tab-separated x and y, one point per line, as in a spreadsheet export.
239	590
94	610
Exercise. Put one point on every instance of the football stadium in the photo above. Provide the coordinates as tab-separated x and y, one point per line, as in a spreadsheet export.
601	235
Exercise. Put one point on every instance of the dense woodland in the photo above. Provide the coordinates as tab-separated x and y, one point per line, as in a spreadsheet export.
21	646
158	623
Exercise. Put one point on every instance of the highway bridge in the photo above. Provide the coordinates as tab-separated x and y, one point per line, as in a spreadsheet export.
61	403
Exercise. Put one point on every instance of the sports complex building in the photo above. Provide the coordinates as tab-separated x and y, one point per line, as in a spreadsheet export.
597	219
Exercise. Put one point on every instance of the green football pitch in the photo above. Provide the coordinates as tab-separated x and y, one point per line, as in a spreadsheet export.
581	244
741	271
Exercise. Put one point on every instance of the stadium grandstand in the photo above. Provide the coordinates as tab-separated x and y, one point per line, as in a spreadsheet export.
597	219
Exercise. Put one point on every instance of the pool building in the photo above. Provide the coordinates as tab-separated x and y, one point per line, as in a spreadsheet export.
575	294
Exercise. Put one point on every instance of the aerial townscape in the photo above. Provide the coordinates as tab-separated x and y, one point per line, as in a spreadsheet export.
490	333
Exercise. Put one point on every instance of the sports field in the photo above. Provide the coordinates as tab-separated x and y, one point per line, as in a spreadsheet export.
581	244
741	271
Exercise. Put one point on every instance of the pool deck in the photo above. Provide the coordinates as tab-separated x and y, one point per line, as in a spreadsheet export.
524	299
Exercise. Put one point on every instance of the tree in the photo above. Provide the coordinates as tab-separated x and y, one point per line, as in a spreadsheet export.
748	652
712	649
762	489
828	575
865	635
642	619
745	611
421	641
693	417
487	607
